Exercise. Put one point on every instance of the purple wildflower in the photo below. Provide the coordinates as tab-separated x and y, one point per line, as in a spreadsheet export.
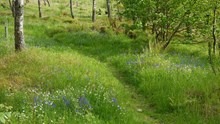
36	100
53	105
66	101
114	100
84	102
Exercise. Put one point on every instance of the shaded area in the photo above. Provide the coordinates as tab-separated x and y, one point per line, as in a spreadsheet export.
94	44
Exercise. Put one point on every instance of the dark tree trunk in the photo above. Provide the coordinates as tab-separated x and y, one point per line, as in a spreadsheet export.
71	8
11	4
45	3
48	2
214	30
210	58
18	25
219	48
93	10
175	31
108	8
172	35
39	8
6	29
153	28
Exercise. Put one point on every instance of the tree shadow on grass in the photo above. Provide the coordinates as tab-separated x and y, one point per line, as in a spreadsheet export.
93	44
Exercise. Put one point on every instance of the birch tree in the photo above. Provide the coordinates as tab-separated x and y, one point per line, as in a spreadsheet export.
93	10
18	25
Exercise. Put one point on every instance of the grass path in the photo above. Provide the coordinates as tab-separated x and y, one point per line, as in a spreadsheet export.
139	102
102	48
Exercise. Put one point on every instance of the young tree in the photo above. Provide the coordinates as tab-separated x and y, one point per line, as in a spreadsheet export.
108	8
214	24
18	25
165	17
93	10
71	8
39	9
46	2
11	5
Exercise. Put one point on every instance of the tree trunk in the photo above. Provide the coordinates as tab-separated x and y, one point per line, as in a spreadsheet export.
45	3
214	30
153	28
71	8
219	49
6	29
108	9
11	4
175	31
18	25
210	57
39	8
93	10
48	2
172	35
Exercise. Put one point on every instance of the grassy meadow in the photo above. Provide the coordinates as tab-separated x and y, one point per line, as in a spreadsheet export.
71	72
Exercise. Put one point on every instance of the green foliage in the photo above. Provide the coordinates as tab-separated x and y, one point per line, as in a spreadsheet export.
176	83
65	75
169	18
55	85
5	113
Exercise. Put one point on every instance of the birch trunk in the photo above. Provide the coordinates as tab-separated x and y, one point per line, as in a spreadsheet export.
18	25
93	10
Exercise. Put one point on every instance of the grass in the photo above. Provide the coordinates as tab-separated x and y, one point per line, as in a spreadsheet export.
71	73
177	85
48	86
50	82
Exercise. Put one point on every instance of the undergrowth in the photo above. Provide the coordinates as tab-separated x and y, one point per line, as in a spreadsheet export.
64	75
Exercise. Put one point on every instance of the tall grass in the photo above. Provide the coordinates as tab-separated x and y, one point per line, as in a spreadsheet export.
177	85
43	86
64	76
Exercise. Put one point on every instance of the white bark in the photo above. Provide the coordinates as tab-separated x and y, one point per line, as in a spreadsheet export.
18	25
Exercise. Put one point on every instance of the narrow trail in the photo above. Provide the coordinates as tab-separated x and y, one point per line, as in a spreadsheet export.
97	46
138	102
